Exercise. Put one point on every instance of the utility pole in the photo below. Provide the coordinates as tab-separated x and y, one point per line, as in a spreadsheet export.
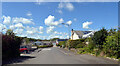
68	33
68	28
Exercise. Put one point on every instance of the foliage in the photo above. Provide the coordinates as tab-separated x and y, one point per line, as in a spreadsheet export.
112	32
45	46
10	32
82	50
104	43
111	46
99	37
91	45
62	43
54	39
74	43
10	46
80	45
26	40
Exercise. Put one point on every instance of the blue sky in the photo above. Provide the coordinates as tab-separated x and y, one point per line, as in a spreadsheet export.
43	20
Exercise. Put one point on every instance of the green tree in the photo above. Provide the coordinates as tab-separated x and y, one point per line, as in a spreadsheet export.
54	39
10	32
111	47
99	38
112	32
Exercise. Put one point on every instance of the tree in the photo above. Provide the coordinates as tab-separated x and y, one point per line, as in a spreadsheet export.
10	32
112	31
99	37
112	46
54	39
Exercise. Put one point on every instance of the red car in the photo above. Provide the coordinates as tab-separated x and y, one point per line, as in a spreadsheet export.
23	49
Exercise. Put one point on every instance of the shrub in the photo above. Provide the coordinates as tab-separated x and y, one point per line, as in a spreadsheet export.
74	43
80	46
99	37
10	46
45	46
62	43
82	50
111	46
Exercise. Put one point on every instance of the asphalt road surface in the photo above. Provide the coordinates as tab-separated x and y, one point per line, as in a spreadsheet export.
56	55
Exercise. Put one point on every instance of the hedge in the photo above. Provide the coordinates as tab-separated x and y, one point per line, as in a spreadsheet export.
62	43
10	46
45	46
76	43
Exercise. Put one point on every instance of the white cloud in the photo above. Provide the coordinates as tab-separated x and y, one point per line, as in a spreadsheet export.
38	2
6	20
29	32
50	21
75	19
69	22
60	11
41	29
66	5
50	29
85	25
29	14
61	20
19	25
32	30
12	27
55	32
23	20
18	31
69	6
2	27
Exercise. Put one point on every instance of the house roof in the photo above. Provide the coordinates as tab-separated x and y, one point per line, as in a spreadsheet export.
81	33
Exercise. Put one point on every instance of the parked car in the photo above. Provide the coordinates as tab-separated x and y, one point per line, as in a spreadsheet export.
23	49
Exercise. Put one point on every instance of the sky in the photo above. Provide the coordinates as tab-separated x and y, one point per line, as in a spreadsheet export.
44	20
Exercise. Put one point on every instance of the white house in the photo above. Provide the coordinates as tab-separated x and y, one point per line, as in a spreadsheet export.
81	34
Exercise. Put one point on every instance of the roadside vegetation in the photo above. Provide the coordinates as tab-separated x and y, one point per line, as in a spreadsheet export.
45	46
104	43
11	44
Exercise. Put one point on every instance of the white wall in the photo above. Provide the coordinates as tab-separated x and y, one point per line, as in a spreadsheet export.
75	36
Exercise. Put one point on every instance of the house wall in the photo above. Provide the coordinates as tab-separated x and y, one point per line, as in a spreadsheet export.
75	36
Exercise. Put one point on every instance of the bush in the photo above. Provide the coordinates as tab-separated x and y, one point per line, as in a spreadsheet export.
111	46
82	50
57	45
99	38
80	46
62	43
45	46
74	43
10	46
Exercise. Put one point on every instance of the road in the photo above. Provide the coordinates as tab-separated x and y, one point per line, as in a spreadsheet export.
56	55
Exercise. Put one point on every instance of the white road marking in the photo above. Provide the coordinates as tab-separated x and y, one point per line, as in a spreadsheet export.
26	55
46	49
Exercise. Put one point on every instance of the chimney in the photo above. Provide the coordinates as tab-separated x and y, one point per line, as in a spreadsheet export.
72	34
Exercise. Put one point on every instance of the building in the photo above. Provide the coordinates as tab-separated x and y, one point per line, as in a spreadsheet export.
81	34
38	43
46	42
